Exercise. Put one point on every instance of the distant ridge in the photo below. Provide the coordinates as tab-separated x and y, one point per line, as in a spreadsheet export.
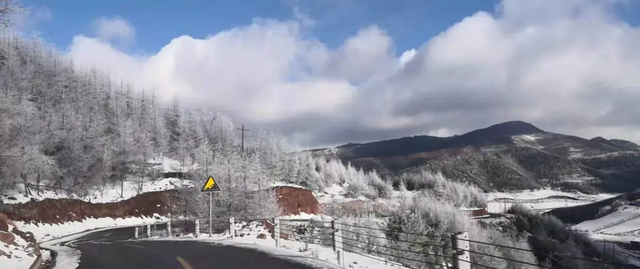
508	155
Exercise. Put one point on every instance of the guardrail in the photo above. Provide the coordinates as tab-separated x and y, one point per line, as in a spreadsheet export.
344	236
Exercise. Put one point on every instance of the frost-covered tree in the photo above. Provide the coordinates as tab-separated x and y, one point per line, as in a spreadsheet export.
7	9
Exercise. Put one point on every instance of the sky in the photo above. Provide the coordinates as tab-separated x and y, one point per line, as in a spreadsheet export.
329	72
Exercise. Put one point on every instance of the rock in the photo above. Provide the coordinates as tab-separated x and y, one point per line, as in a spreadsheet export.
7	238
262	236
3	226
27	236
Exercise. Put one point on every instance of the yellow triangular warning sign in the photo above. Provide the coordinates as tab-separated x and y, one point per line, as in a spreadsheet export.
210	185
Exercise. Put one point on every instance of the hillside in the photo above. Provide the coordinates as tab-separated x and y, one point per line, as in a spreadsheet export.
506	156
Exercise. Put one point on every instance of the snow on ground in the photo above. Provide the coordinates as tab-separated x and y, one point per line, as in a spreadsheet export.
111	193
609	155
170	165
542	206
527	140
311	254
284	184
305	216
541	200
337	194
626	212
612	238
624	227
97	195
43	232
334	194
21	255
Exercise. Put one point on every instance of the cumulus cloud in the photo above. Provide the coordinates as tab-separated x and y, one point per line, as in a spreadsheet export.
114	30
566	66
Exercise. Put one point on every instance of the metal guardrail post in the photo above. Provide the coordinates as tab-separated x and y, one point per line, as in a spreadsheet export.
197	228
276	231
232	227
149	230
169	228
337	241
136	233
461	257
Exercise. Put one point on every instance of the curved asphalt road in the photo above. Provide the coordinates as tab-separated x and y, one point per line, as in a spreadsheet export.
112	249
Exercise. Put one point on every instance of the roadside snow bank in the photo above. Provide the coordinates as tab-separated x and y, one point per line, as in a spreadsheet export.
45	231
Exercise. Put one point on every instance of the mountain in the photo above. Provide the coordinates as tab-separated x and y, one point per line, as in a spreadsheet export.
506	156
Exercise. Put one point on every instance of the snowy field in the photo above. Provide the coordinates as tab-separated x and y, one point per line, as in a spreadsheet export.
546	193
314	255
541	200
625	227
626	212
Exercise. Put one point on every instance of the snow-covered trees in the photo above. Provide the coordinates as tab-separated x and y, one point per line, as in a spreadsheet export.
71	128
437	185
428	222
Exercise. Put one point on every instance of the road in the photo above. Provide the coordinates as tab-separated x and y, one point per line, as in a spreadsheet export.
111	249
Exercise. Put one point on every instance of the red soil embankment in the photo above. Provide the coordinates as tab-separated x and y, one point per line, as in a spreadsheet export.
64	210
293	201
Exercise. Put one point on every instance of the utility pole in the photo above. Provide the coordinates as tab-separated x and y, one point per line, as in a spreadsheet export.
243	130
245	172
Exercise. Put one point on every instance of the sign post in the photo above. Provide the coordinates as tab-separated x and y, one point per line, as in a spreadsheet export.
210	186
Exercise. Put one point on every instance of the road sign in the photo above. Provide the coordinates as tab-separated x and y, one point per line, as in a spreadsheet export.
210	185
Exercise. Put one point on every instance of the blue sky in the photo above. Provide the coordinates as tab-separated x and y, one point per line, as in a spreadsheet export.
409	22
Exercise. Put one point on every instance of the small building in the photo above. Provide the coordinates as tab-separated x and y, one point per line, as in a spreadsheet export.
476	212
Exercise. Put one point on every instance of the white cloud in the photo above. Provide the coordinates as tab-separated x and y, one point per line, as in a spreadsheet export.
28	19
115	29
567	66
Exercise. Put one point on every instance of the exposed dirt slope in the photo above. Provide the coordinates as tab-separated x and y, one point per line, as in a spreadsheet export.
293	201
64	210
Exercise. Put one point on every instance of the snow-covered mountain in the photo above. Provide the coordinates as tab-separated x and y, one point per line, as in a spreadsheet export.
510	155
